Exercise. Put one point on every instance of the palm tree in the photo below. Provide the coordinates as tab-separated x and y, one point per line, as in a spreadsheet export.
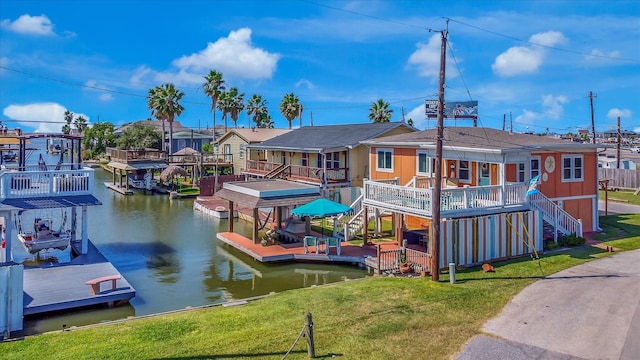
80	123
237	105
379	112
291	108
164	102
152	104
214	87
226	104
256	109
68	118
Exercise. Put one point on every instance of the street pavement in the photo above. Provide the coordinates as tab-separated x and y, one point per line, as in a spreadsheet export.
590	311
615	207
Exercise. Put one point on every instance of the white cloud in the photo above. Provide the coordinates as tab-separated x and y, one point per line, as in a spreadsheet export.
305	82
552	105
93	86
597	53
44	117
427	59
418	117
527	117
526	59
615	112
32	25
234	56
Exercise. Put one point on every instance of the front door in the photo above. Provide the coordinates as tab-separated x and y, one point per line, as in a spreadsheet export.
484	174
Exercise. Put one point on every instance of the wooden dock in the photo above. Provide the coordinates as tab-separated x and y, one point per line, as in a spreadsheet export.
54	287
116	188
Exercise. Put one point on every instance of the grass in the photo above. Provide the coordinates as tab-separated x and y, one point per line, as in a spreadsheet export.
626	196
373	318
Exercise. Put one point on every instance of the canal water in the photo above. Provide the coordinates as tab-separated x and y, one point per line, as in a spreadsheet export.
171	256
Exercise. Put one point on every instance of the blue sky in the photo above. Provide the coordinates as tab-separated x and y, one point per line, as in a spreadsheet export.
533	61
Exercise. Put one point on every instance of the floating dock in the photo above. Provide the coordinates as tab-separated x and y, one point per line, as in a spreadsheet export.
54	287
116	188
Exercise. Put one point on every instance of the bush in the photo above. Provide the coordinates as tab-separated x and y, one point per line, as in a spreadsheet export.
571	240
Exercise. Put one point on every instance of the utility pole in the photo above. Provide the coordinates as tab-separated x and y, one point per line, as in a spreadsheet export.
311	115
618	145
593	122
510	122
402	108
434	239
504	121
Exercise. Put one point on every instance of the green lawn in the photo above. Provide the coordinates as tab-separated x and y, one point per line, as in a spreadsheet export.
373	318
625	196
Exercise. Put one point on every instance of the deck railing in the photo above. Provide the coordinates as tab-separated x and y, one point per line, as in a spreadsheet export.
553	214
417	201
299	171
389	260
135	155
37	182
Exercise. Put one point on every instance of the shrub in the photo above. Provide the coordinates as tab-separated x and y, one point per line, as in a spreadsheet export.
571	240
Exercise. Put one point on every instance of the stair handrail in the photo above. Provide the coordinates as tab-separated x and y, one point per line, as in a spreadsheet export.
556	216
276	171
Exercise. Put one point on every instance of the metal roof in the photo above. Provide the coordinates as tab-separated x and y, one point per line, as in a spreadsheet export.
51	202
268	193
137	166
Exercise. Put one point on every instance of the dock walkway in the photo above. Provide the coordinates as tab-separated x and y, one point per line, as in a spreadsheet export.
53	287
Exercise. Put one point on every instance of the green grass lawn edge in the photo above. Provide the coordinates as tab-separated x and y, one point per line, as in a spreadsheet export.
373	318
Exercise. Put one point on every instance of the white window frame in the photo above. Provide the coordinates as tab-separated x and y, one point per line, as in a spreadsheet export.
468	169
533	172
384	151
521	172
242	150
333	160
304	159
572	168
430	166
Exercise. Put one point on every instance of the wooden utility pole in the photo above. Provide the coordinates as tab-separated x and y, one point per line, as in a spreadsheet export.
593	122
434	239
504	121
619	140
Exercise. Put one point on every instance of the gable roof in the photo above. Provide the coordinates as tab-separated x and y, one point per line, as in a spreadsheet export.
329	137
478	138
254	135
177	127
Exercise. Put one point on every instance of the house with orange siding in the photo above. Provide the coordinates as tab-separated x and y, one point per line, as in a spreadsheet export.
484	204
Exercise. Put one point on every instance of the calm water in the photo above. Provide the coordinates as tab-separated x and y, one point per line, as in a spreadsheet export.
170	255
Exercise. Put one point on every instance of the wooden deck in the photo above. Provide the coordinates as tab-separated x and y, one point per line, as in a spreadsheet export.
117	188
61	287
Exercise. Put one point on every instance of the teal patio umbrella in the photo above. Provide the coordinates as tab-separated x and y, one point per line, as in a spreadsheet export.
321	208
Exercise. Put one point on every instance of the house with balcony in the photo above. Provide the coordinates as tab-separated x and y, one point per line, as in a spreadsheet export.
232	146
484	208
330	156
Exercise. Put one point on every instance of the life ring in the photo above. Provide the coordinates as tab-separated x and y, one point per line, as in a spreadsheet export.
219	208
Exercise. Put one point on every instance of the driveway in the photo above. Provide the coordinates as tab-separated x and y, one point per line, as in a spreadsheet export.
591	311
616	207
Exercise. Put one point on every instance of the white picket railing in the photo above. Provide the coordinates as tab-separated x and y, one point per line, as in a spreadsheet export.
32	181
553	214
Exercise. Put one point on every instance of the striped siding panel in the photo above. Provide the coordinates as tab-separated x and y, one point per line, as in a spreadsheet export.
469	241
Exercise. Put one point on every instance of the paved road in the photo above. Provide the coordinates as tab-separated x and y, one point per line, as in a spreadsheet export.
615	207
591	311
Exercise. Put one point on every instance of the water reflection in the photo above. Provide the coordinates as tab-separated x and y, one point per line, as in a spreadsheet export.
170	254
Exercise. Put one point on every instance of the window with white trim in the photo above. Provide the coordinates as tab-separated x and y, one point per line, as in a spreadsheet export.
333	160
425	164
304	161
572	167
384	160
319	161
242	150
521	172
464	172
535	166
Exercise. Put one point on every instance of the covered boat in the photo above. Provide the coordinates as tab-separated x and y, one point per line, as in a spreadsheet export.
44	237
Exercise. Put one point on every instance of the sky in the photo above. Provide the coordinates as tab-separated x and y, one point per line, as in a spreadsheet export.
530	65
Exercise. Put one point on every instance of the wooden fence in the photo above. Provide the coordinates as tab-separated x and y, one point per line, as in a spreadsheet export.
620	178
207	184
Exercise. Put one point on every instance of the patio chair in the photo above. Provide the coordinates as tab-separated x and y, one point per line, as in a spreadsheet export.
310	241
333	241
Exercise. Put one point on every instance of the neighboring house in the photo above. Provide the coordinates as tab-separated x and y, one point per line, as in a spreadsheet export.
231	147
612	163
191	139
328	156
485	173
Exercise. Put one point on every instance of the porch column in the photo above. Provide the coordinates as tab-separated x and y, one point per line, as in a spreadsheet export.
85	231
503	181
365	228
279	217
307	225
230	216
398	227
256	221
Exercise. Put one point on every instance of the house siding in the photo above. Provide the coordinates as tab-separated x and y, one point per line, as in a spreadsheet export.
235	141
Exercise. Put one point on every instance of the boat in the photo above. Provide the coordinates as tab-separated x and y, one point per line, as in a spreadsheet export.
142	180
44	237
9	156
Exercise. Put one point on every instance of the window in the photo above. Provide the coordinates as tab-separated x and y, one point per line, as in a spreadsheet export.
535	167
572	167
520	175
425	165
305	159
464	173
385	160
333	160
319	161
242	147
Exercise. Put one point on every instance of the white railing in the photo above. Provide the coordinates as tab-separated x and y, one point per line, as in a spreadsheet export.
417	201
36	182
553	214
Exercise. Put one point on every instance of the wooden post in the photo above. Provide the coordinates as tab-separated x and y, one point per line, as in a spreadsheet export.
365	227
230	216
311	347
256	220
379	261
